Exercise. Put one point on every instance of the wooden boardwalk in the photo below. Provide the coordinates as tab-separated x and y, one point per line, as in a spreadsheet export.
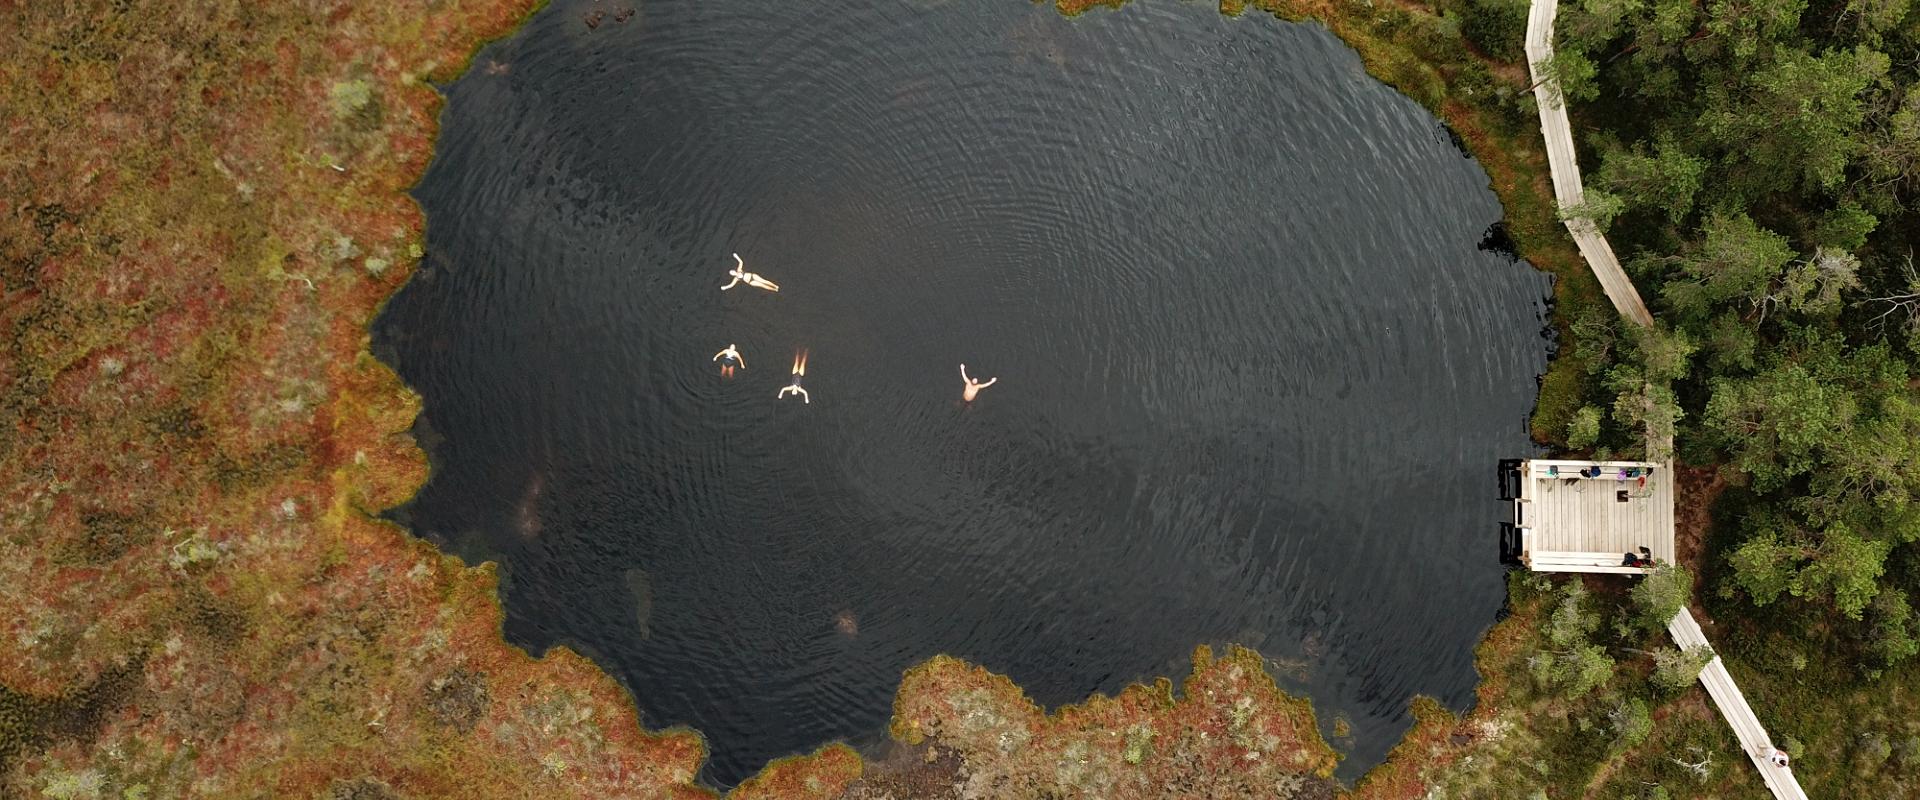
1567	189
1733	705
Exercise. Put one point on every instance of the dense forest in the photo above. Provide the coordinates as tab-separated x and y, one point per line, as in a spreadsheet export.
1757	163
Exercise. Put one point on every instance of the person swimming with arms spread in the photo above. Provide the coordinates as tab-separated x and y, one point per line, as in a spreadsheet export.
729	358
973	387
740	275
799	371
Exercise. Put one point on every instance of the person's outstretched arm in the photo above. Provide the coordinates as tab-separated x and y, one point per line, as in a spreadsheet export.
742	359
803	395
716	356
990	382
736	280
963	374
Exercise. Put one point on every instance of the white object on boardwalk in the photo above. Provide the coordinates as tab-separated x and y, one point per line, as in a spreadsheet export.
1567	190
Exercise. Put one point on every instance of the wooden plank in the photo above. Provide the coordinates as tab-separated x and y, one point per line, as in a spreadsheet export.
1553	567
1574	555
1567	190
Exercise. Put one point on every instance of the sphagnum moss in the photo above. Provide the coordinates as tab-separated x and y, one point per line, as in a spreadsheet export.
197	438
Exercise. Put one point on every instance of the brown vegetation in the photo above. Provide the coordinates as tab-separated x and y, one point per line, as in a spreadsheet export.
1230	733
204	205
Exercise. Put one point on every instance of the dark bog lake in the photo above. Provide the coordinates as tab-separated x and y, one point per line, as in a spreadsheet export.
1255	368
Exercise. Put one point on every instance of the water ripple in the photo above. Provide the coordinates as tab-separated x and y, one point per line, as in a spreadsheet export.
1254	370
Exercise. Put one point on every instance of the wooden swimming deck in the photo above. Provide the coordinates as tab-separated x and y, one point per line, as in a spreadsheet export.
1582	516
1567	189
1733	705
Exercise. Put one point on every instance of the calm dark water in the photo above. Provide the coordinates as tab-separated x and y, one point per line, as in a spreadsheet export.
1254	370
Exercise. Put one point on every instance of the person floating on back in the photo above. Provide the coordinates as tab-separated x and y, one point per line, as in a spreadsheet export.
973	387
729	358
799	371
740	274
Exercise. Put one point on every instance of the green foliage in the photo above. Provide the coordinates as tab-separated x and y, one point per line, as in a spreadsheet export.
1846	227
1584	429
349	97
1664	178
1804	409
1571	622
1589	25
1766	159
1642	385
1731	343
1571	665
1891	150
1836	567
85	783
1660	595
1675	670
1630	722
1497	27
1763	567
1893	637
1812	287
1598	207
1575	672
1744	24
1845	569
1795	121
1736	260
1774	424
1571	74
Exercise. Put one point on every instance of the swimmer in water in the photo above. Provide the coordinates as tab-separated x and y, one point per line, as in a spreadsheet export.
740	274
729	358
973	386
799	371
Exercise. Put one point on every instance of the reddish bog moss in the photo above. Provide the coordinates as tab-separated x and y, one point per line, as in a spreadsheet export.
822	775
203	206
1230	733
